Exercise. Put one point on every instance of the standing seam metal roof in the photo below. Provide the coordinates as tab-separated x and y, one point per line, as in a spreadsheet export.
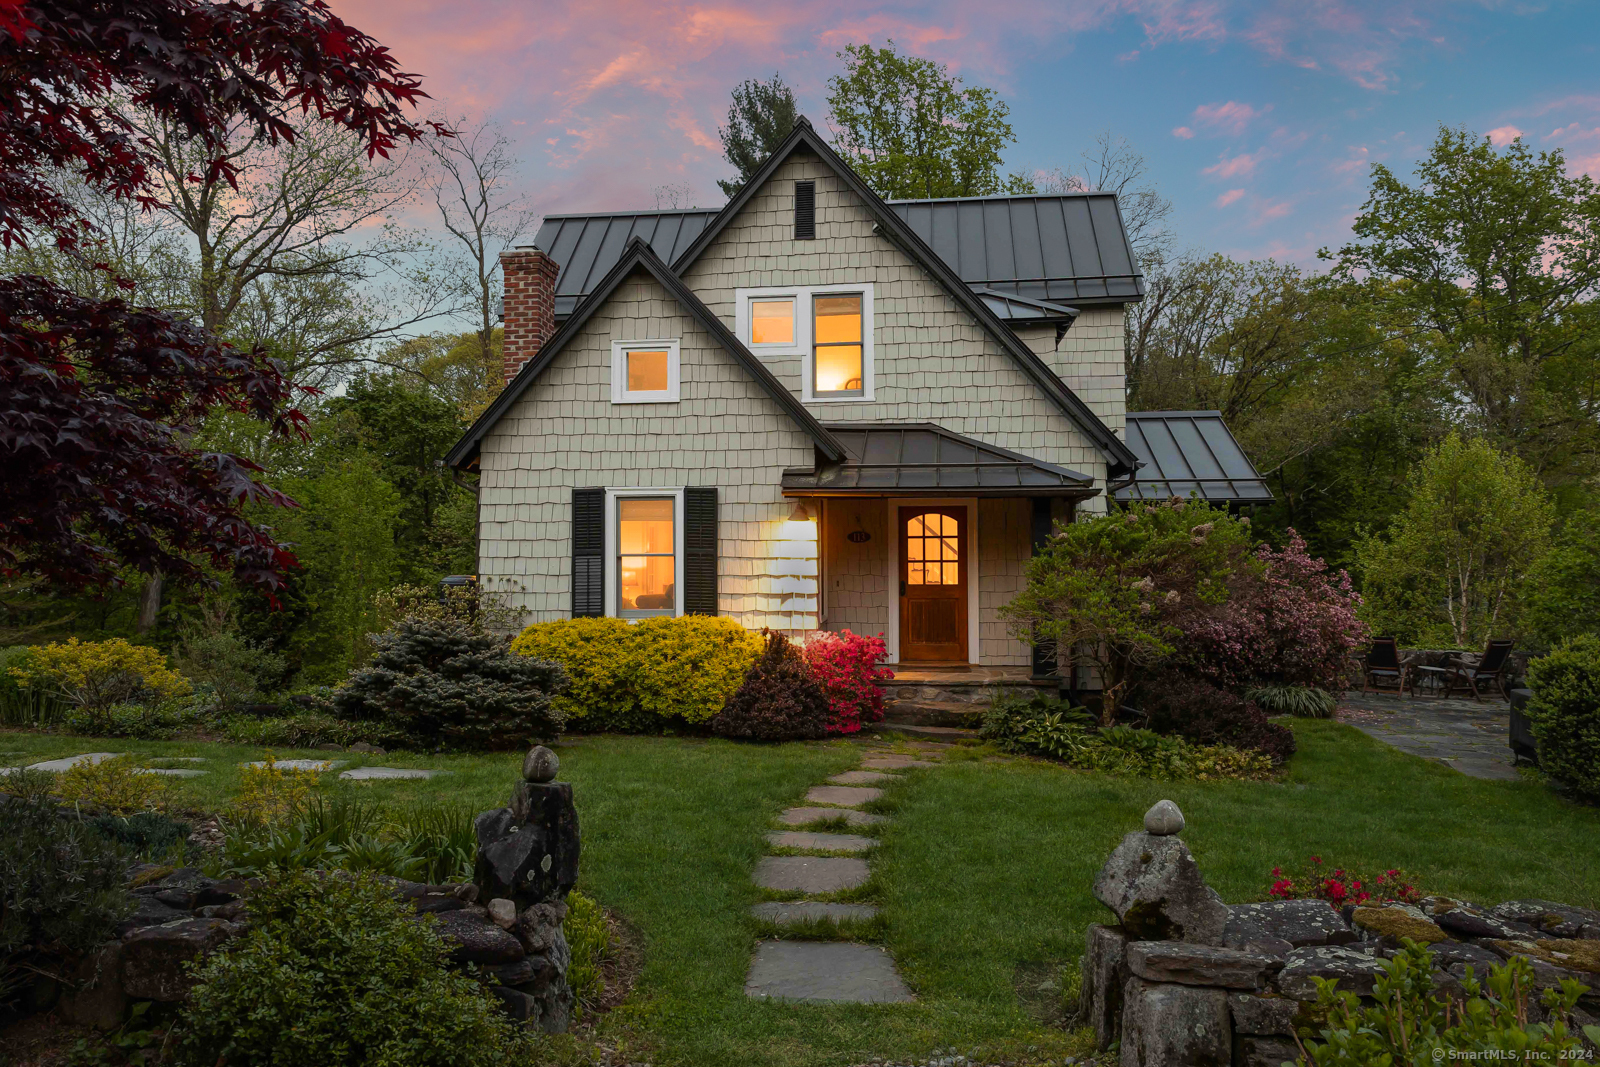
586	247
1187	453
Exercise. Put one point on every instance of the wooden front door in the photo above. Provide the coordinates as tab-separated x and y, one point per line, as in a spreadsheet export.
933	584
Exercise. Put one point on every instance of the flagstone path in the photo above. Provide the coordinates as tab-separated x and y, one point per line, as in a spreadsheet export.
821	970
66	763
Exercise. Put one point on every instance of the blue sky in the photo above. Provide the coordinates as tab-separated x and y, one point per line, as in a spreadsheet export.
1259	119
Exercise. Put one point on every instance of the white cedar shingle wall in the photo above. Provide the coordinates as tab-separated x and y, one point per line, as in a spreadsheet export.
564	432
857	596
1005	541
1090	360
933	363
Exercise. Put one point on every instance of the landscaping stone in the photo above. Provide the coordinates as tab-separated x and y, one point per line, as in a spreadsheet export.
1174	1026
151	912
1551	917
1198	965
1253	1050
810	874
503	912
171	772
540	765
153	959
519	1005
57	766
820	842
1299	922
1163	819
1394	922
894	763
1255	1013
1571	955
474	940
842	795
1456	956
371	750
825	971
528	851
315	765
362	774
539	929
1355	968
96	997
860	778
1105	972
1460	919
792	912
803	816
1155	888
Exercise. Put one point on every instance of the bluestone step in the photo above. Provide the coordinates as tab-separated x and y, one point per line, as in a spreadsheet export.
802	816
805	839
825	971
810	874
790	912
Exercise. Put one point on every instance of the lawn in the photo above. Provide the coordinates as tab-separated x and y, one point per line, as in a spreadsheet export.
985	868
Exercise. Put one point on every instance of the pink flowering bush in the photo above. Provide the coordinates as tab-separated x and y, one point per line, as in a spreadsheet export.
846	666
1290	622
1342	885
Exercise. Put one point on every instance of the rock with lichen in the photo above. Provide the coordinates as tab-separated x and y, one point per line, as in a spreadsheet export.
1393	923
1156	889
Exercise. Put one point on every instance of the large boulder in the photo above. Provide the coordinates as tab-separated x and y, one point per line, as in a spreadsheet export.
1298	922
1552	919
1255	1050
1263	1013
1105	972
153	960
96	997
1460	919
1155	888
1356	970
1199	965
1174	1026
1393	924
477	940
528	851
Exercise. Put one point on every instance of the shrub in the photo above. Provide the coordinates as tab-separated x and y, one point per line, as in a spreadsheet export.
593	945
116	785
308	729
641	676
270	793
1344	885
1303	701
1565	711
334	971
22	705
846	666
61	890
147	834
232	670
778	701
96	675
1037	724
1404	1023
140	722
1200	712
440	683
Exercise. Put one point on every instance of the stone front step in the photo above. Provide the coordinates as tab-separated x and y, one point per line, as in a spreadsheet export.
845	796
802	816
958	688
942	734
791	912
816	842
810	874
825	971
895	763
935	713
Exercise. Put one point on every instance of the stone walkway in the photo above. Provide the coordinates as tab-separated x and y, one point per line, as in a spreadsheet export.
1469	735
822	862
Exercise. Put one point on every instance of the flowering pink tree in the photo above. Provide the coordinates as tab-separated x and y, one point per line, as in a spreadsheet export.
1292	623
846	666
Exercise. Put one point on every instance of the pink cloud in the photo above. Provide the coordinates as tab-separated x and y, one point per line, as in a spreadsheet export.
1184	132
1231	117
1242	165
1267	211
1504	135
1229	197
1358	161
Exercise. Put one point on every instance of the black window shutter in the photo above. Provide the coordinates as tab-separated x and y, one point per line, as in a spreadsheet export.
700	550
588	552
805	211
1044	656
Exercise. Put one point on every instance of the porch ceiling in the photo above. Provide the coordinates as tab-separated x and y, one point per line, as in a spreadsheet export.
885	458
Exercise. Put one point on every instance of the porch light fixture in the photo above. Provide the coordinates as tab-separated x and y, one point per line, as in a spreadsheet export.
799	514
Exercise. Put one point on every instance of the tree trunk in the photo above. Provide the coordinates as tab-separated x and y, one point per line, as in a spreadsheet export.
149	604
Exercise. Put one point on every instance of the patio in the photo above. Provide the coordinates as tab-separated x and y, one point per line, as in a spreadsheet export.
1469	735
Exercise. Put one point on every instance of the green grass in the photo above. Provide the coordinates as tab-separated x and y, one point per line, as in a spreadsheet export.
983	874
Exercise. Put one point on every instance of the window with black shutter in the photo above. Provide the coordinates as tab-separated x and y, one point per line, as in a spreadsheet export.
588	552
700	550
805	211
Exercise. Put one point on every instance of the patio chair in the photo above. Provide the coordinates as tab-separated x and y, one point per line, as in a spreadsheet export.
1383	665
1493	667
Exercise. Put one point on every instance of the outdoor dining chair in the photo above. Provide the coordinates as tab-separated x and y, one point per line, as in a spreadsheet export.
1383	666
1492	668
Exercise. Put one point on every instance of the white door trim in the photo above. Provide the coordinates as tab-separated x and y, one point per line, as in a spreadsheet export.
974	651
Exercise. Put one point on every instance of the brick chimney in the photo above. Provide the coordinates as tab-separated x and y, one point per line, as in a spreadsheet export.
530	304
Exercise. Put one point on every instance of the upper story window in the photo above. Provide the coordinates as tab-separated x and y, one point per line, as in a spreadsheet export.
644	372
828	326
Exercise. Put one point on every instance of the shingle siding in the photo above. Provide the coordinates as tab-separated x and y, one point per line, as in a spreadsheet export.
1005	541
1089	359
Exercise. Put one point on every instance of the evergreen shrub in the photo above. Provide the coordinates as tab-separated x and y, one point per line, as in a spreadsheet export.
1565	712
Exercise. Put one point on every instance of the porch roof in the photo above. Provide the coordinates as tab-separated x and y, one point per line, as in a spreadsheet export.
1188	453
920	457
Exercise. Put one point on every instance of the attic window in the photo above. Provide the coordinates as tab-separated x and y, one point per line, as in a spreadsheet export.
805	211
644	372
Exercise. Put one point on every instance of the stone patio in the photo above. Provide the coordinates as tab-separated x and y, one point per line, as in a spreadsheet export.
1469	735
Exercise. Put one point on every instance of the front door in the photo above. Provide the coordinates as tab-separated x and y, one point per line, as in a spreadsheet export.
933	584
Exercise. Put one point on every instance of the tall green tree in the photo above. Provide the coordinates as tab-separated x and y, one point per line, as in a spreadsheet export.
1492	258
912	129
1452	566
761	116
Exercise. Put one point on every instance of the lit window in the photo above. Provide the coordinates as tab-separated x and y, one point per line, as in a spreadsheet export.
646	560
772	322
933	550
644	372
836	334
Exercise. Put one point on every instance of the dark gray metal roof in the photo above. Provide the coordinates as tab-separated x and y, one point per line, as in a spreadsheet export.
585	247
1016	308
1189	453
925	458
1066	247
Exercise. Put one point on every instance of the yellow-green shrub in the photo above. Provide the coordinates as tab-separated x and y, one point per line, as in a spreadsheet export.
116	785
97	675
270	793
641	676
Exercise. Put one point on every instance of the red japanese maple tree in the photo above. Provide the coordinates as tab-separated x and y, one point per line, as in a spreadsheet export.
99	399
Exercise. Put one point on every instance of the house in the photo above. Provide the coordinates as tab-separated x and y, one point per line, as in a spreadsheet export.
814	409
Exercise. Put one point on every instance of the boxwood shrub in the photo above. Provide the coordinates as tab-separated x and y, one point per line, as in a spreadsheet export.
1565	711
638	677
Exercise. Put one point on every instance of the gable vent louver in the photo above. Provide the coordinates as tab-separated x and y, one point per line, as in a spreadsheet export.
805	211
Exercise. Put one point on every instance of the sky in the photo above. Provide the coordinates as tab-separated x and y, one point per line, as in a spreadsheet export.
1259	119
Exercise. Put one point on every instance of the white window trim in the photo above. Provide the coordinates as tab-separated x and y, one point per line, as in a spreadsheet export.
974	593
612	578
801	347
620	393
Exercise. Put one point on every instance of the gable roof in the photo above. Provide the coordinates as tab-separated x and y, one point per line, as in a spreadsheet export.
1068	247
585	247
637	255
891	226
1190	452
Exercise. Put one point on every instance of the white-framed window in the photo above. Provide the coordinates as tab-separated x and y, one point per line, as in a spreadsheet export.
644	552
828	326
644	372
